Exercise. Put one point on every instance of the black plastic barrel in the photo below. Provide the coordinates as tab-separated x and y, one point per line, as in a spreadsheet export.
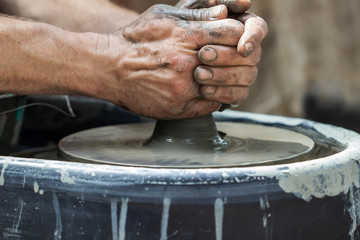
308	200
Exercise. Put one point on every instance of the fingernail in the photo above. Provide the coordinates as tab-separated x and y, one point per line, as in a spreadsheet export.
209	90
203	74
249	48
216	11
207	55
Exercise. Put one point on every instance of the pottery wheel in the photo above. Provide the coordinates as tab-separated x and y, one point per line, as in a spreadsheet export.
134	145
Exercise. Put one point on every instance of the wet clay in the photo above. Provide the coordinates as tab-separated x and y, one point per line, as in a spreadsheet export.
196	144
195	133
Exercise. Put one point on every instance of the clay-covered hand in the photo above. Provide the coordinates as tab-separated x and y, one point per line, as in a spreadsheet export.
157	54
228	71
225	75
255	29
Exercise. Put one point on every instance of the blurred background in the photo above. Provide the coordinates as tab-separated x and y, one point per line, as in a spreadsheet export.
310	64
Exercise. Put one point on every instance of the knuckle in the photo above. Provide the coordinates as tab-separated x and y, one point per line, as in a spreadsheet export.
198	14
129	35
227	95
248	78
233	26
236	25
260	25
183	63
157	8
235	95
204	94
233	22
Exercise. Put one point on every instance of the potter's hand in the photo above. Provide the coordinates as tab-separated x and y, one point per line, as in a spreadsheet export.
227	72
225	75
255	29
157	55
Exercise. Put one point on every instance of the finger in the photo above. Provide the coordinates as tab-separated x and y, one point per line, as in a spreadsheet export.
217	55
228	94
225	76
236	6
204	14
222	32
199	107
255	31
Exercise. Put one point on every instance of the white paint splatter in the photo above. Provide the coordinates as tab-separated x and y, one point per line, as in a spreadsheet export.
265	206
58	226
41	192
36	187
219	216
225	175
2	179
320	179
262	203
21	206
114	222
14	232
165	218
354	211
90	172
123	215
265	219
24	181
65	178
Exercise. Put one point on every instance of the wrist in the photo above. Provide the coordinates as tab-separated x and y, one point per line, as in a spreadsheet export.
100	66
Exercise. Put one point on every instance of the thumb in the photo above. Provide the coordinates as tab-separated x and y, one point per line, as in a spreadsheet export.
234	6
204	14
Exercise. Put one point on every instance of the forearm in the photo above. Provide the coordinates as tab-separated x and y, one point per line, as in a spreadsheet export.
76	15
38	58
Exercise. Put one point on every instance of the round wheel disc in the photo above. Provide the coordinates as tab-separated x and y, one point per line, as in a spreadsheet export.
248	144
